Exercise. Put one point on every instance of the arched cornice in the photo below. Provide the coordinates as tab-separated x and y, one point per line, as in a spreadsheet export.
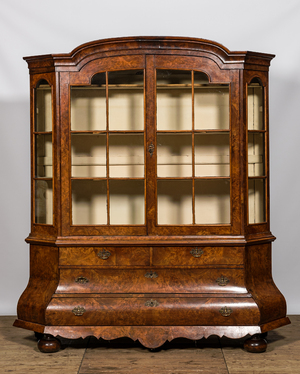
87	52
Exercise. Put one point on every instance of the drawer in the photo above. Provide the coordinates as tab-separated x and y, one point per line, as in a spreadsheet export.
159	280
197	256
156	311
104	256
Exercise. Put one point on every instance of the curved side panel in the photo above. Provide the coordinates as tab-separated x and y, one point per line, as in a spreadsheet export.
260	284
41	286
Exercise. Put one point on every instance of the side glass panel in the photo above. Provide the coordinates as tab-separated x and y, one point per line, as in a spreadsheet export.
193	143
107	142
256	154
43	160
256	198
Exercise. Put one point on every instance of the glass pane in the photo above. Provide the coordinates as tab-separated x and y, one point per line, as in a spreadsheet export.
126	100
88	154
174	155
200	79
43	108
256	200
255	107
43	155
127	202
212	155
211	107
174	202
126	156
88	108
256	153
174	100
212	201
89	202
43	201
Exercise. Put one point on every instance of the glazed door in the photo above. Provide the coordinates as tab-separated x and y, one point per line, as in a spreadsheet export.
107	137
151	148
192	143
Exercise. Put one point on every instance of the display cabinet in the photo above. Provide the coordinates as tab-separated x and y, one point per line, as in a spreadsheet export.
150	194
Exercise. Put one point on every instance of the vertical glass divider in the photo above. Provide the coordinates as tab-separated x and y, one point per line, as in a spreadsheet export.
145	145
107	149
266	149
193	148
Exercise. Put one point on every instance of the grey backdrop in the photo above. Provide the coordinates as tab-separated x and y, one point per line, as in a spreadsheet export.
36	27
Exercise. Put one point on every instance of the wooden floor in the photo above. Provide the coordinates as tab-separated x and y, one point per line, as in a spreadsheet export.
19	354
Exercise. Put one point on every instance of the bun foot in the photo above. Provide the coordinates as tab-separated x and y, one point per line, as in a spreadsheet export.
256	344
49	344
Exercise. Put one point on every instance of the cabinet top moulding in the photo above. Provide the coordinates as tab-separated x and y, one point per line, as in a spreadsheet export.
87	52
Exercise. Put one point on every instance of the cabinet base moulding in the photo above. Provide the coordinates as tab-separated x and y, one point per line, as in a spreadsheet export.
151	336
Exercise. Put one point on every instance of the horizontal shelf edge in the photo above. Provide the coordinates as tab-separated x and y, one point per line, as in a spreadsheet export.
142	240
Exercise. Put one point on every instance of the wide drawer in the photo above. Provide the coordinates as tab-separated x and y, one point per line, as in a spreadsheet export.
104	256
197	256
191	280
158	311
156	256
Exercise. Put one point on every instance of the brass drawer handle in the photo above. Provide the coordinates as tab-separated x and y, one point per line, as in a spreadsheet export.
81	280
222	281
78	311
196	252
225	311
151	274
152	303
103	254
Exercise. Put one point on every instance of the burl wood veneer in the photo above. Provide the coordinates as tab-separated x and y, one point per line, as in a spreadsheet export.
150	194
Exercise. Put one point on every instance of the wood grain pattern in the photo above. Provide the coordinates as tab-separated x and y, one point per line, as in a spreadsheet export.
182	298
167	311
181	256
164	281
88	256
42	284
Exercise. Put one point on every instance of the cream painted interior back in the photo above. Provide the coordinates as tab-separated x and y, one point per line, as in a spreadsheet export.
174	155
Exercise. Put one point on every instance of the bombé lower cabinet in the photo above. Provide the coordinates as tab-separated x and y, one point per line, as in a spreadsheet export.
150	194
